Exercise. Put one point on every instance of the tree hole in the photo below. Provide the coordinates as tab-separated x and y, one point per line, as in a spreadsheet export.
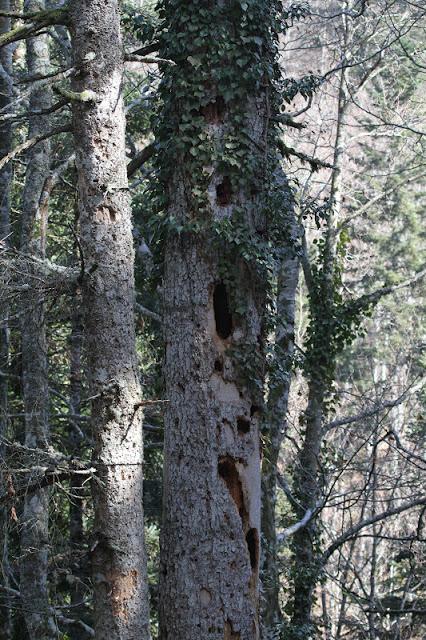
227	470
218	365
254	409
252	539
224	192
214	111
222	314
243	425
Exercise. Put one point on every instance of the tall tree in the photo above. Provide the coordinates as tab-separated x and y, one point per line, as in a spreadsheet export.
214	138
119	563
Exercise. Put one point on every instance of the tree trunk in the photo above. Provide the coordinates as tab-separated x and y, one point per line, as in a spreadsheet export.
321	358
35	532
77	589
214	299
119	562
275	426
307	490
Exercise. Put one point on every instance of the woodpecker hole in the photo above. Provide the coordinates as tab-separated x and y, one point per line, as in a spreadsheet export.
214	111
222	314
252	539
218	365
227	470
254	409
243	425
224	192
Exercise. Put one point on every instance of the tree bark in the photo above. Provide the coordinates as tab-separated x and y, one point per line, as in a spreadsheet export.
308	485
210	541
119	562
35	532
275	426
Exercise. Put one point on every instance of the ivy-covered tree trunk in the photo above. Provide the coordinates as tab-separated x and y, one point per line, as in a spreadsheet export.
320	363
34	563
214	139
5	186
119	561
307	490
275	422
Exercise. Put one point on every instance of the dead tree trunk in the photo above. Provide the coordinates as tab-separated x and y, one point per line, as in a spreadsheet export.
35	532
214	301
119	563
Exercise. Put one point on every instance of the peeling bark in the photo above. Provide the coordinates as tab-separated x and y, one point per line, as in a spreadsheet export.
119	562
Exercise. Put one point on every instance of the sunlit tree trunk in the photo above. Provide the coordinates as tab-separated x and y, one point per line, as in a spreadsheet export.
214	300
119	562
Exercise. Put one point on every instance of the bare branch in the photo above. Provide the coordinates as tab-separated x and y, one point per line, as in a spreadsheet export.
352	532
28	144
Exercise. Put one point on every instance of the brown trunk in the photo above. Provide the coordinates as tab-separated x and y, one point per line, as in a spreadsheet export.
119	563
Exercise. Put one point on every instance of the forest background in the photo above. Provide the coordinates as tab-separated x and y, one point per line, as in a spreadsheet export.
212	236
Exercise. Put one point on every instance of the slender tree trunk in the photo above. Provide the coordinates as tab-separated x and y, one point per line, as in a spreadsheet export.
119	562
35	532
308	481
76	485
5	184
307	485
275	427
214	300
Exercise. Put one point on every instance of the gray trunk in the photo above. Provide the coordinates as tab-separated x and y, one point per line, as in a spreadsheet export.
308	482
119	562
35	530
275	427
213	306
307	488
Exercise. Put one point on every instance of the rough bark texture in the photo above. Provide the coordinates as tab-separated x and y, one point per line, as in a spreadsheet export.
210	550
35	530
275	425
119	564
